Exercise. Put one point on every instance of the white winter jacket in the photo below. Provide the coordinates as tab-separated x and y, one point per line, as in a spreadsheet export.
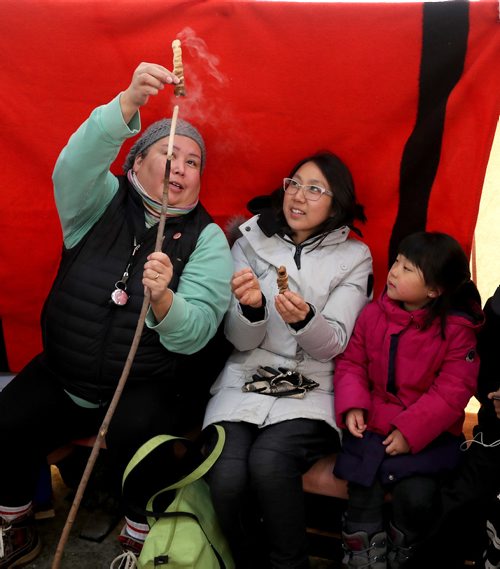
333	277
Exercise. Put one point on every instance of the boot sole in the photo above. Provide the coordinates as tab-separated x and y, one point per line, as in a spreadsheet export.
28	557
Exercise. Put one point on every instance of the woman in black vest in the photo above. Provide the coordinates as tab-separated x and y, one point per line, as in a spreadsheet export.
89	319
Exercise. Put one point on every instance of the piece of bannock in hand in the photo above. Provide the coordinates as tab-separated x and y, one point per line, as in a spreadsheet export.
282	279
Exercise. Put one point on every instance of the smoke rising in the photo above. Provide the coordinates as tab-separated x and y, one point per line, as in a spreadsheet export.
200	66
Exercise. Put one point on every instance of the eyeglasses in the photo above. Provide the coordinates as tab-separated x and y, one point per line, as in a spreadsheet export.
311	193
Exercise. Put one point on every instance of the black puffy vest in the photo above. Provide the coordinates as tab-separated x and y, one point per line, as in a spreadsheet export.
86	337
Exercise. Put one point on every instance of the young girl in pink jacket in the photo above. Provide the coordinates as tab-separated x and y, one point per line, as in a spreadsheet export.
401	388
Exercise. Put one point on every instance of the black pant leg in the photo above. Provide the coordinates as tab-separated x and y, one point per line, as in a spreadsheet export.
36	417
414	506
279	457
234	502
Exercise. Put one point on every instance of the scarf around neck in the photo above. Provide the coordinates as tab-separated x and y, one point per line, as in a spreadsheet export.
152	208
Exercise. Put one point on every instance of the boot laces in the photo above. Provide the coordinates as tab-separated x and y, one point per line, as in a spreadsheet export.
126	560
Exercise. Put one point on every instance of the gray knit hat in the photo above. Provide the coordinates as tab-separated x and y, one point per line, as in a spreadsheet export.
161	129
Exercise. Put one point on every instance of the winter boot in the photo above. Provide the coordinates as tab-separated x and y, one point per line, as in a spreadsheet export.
399	552
19	541
364	552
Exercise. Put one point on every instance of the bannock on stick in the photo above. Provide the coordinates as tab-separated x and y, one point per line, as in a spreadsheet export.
179	89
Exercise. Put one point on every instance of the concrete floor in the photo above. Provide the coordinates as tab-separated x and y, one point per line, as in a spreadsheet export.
83	554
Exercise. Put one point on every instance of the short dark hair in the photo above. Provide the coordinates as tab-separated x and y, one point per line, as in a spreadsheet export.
445	266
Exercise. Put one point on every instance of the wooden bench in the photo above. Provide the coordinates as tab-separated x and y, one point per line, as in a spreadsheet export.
319	479
62	452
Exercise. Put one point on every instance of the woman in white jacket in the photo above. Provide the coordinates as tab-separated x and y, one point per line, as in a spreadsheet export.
277	422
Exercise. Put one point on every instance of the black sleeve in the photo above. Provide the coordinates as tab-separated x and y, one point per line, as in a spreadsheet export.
254	314
303	323
488	347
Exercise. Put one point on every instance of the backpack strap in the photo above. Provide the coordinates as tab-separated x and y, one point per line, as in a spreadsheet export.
200	471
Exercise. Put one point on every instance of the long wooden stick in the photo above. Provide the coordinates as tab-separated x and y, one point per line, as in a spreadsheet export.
126	369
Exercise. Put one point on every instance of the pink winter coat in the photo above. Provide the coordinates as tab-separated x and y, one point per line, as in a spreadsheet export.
405	377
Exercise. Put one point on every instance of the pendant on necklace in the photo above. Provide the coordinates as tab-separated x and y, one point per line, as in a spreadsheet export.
119	296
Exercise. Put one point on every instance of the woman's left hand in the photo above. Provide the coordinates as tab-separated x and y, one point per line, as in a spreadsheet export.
158	271
291	307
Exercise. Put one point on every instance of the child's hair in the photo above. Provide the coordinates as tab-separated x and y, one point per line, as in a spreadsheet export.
346	209
444	266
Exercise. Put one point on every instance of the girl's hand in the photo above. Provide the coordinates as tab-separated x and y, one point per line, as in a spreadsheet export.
148	79
291	307
355	422
246	288
158	271
495	396
396	443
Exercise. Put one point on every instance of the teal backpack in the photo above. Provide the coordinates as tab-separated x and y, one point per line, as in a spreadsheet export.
185	535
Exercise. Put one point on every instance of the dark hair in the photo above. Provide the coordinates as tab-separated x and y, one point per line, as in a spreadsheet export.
346	208
444	266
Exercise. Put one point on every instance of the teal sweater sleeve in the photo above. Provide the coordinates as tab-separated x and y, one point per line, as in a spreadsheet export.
83	184
202	296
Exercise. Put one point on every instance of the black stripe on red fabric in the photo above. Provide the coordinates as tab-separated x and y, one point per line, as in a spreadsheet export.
444	46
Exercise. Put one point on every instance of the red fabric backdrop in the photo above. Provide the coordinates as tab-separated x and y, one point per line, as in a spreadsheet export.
274	81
